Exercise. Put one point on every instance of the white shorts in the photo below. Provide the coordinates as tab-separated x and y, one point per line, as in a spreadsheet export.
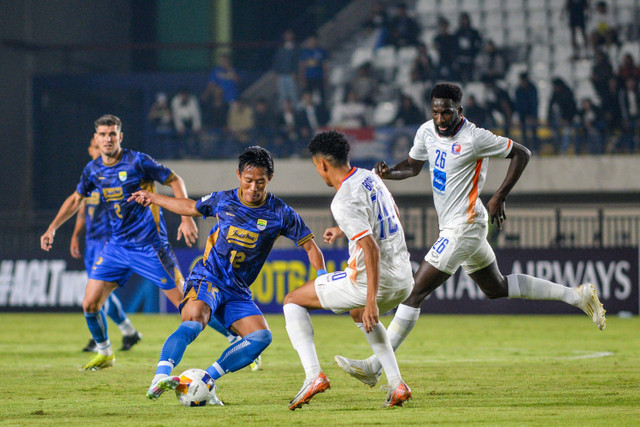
464	245
337	293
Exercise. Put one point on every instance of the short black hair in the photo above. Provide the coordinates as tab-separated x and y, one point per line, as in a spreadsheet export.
331	144
108	120
256	156
447	91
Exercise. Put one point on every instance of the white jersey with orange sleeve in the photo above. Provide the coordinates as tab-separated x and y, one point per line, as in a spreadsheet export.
458	167
364	206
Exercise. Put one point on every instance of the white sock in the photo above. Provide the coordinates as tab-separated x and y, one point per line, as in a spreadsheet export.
104	348
127	328
399	328
379	343
300	332
529	287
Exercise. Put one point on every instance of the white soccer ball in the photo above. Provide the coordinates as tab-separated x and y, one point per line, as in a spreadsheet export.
194	388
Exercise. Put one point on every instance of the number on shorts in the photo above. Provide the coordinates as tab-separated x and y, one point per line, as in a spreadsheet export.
440	245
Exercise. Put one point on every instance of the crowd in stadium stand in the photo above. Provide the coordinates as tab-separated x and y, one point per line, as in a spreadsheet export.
219	122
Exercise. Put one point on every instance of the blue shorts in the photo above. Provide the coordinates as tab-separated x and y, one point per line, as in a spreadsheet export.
159	265
92	251
226	306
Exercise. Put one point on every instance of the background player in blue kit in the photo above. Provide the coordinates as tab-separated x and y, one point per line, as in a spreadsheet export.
249	220
93	220
138	241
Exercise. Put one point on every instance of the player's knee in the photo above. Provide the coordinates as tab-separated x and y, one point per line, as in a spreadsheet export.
90	306
260	338
499	290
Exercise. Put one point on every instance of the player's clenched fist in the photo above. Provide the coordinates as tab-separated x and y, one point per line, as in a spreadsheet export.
381	169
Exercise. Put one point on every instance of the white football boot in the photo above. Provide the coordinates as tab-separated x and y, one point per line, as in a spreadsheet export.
590	304
359	369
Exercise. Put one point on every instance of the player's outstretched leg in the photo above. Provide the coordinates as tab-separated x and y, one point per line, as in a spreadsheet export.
241	354
590	304
256	365
161	384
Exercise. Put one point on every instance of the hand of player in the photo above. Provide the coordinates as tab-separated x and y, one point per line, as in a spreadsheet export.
370	317
497	211
46	240
331	234
74	248
189	230
142	197
381	169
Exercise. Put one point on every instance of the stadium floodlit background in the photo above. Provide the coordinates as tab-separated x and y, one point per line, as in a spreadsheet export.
573	217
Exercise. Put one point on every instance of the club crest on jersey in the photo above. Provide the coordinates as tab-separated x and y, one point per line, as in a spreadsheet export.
122	175
262	224
456	149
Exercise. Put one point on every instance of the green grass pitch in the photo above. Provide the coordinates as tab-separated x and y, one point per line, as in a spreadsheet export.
463	370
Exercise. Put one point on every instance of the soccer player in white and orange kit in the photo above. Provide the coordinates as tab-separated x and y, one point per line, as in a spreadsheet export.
458	152
378	276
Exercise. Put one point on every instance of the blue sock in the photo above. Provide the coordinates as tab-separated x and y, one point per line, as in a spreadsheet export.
114	309
97	323
215	324
174	347
241	353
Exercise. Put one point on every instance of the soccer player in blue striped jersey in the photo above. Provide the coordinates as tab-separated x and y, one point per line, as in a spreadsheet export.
249	220
138	242
93	220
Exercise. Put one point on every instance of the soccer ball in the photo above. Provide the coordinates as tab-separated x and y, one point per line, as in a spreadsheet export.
194	387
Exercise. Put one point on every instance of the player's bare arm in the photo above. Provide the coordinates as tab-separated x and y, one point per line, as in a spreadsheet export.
316	259
331	234
81	221
67	210
519	156
405	169
184	207
371	251
187	227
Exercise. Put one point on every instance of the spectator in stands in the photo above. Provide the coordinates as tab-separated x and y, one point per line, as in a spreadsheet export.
474	111
225	78
160	114
423	65
264	123
241	124
417	89
161	122
311	116
403	30
379	23
187	120
364	84
630	106
591	126
490	62
526	105
469	43
612	111
447	45
498	100
561	112
285	65
603	27
628	68
601	72
314	68
577	11
408	114
288	130
215	111
351	114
